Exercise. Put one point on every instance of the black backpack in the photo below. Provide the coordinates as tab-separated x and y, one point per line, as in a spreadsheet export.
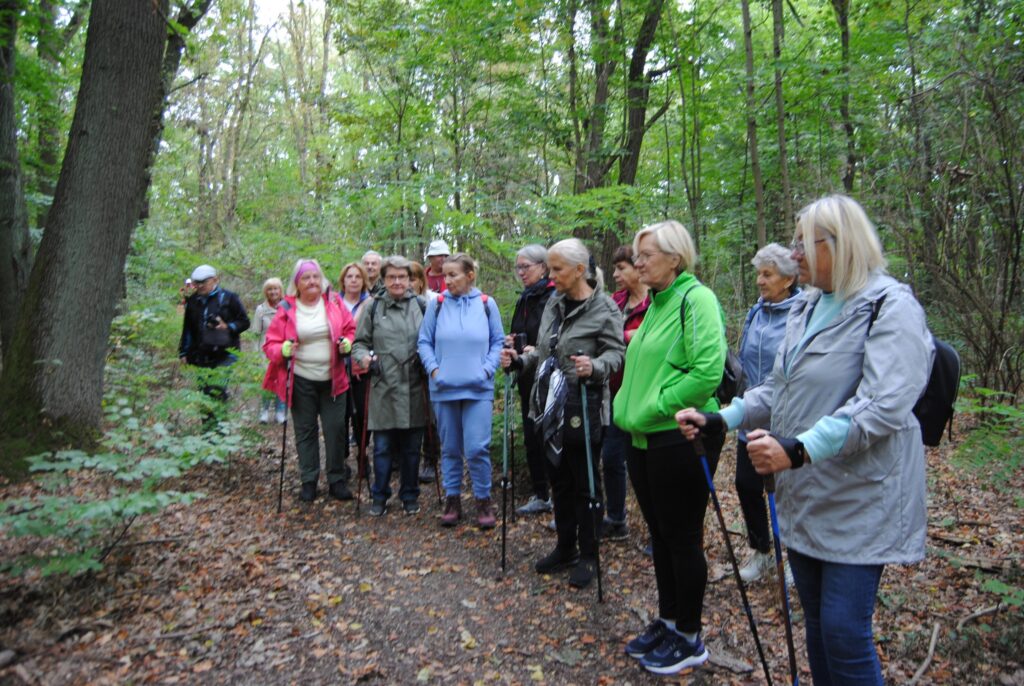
734	381
934	409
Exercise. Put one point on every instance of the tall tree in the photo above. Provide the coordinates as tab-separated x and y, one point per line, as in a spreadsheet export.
53	371
778	36
755	160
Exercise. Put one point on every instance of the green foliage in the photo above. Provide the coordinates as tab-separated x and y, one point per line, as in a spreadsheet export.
997	445
1007	593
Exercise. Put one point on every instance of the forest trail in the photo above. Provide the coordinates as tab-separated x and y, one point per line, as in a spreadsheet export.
227	591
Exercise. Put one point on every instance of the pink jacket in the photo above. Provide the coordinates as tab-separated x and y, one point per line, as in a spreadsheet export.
282	329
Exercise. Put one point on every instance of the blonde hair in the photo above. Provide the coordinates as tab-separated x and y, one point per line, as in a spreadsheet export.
851	238
672	238
362	275
573	251
292	290
466	263
272	281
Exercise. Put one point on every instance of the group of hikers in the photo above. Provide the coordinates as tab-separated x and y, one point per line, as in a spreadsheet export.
835	354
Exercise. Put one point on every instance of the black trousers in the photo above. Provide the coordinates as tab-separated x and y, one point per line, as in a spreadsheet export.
673	496
313	408
750	489
533	442
570	496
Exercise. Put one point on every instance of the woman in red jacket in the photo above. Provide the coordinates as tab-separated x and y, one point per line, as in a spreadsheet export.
314	331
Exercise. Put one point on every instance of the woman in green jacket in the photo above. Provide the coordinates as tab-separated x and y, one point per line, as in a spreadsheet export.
675	360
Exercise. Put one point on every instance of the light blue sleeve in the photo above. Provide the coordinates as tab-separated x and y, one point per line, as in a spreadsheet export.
425	341
497	338
826	438
733	414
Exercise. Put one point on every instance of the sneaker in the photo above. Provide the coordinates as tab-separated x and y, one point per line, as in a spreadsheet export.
452	510
650	639
583	573
339	490
280	416
756	566
426	474
308	492
265	417
378	508
411	507
674	655
790	583
556	560
535	505
485	518
614	531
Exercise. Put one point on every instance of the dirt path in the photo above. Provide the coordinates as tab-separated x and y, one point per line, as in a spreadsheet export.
227	591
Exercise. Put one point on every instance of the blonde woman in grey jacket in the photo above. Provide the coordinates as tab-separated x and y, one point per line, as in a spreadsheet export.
844	442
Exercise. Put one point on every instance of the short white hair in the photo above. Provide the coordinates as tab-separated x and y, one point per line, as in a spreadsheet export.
850	237
573	251
672	238
778	256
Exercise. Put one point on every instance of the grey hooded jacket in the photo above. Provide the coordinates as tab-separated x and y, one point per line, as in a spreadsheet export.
396	394
865	505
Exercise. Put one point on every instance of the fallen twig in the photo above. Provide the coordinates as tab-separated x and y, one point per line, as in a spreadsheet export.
928	659
994	609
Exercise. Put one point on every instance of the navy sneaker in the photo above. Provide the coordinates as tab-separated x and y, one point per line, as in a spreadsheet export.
674	655
650	639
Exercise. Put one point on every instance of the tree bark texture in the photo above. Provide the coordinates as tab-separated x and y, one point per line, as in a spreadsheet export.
15	246
842	9
755	161
55	364
778	36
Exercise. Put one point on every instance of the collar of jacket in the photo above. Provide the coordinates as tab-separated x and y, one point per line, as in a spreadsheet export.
782	305
560	298
390	299
682	283
537	288
878	284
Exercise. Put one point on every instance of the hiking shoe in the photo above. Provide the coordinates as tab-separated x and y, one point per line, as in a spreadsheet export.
265	417
535	505
308	492
790	583
650	639
556	560
452	510
614	531
280	416
551	525
485	518
426	474
674	655
583	573
648	549
756	566
378	508
339	490
410	507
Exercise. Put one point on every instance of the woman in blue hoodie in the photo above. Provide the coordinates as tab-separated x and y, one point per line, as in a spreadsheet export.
460	343
763	331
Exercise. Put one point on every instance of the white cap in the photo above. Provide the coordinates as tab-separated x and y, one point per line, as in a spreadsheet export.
438	247
203	272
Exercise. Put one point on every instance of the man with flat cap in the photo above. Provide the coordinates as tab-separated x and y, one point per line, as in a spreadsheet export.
214	318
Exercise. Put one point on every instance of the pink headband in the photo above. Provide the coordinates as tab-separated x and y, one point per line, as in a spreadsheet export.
307	266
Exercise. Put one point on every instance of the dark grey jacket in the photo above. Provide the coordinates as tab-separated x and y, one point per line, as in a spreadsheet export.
865	505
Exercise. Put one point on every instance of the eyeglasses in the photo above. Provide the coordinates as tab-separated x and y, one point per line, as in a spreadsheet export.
797	246
520	268
645	256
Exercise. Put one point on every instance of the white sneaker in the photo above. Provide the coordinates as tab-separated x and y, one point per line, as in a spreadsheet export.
789	576
535	506
280	416
757	565
264	416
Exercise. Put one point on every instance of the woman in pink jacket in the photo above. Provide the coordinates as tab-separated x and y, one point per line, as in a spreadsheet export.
307	343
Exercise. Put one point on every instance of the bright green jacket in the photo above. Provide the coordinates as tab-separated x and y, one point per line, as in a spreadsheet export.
667	371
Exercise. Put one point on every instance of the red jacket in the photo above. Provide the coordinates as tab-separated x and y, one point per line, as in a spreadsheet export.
282	329
629	323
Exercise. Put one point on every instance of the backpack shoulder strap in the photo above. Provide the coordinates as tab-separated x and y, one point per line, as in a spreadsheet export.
422	302
682	308
876	307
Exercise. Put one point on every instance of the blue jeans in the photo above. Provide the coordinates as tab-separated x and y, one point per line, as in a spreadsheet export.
400	447
613	458
839	602
465	430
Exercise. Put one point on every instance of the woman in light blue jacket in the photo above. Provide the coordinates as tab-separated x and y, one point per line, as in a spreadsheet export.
844	442
460	343
763	330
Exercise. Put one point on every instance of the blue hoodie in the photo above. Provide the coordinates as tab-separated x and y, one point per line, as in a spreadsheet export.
463	342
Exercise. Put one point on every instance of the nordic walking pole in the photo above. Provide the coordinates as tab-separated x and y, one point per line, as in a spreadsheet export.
595	506
284	430
512	453
433	445
364	474
504	474
780	569
698	446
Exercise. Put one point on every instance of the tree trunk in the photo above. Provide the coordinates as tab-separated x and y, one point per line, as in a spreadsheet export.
842	8
15	246
780	117
637	93
53	379
755	162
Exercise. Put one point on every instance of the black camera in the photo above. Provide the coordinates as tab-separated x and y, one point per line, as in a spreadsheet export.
519	342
